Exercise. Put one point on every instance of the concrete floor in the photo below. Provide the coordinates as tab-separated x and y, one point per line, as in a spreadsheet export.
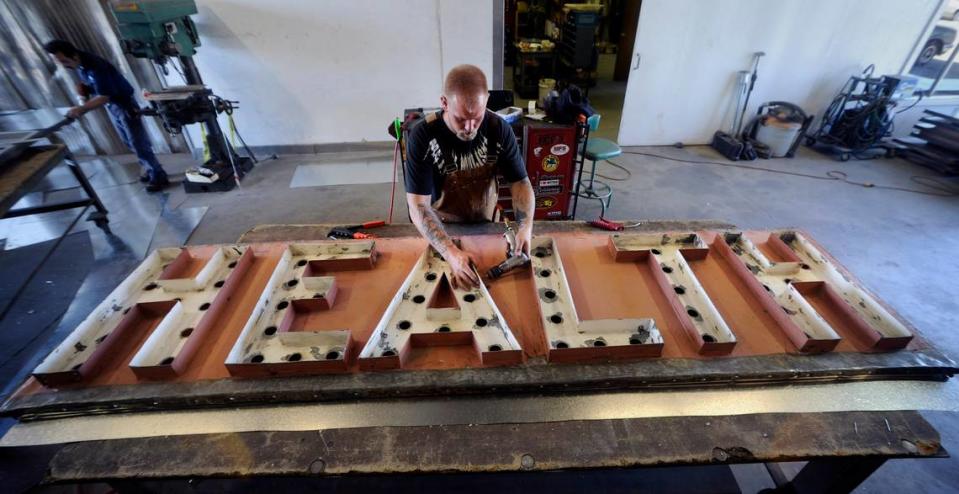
901	245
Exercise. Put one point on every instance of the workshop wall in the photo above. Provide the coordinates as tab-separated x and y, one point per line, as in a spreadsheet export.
691	50
308	72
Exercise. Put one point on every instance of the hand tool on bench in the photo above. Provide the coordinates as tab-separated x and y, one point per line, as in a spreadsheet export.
604	224
351	231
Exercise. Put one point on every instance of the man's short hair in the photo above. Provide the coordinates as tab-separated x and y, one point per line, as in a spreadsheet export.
60	46
465	80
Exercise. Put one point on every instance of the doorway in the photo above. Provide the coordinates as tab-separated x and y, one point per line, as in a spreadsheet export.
548	42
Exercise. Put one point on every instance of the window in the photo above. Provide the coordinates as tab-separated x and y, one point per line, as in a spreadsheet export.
936	66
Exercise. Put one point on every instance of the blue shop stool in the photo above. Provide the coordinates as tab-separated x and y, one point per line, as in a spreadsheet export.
597	149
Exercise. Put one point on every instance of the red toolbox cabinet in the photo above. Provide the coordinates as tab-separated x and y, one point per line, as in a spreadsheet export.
549	151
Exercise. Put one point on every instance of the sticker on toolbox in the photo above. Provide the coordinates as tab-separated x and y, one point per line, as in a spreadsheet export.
551	182
559	149
550	190
545	202
551	163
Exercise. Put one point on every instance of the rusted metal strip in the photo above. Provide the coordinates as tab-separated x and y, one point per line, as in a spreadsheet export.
537	378
506	447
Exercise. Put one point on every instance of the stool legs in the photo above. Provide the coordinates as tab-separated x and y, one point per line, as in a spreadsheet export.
605	196
592	175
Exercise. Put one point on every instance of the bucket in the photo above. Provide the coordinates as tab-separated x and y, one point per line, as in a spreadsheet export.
778	135
545	86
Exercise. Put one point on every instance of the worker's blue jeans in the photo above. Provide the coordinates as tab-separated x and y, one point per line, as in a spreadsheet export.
134	135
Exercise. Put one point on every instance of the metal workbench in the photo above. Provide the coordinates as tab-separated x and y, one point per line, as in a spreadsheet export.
529	418
21	172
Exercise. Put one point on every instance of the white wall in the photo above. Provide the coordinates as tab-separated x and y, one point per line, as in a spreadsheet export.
691	50
315	72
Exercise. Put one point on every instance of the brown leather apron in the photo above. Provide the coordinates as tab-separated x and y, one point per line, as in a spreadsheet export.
469	195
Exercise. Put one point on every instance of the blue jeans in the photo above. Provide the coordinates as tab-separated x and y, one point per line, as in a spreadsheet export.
134	135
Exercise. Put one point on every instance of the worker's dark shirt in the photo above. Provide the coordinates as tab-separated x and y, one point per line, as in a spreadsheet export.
105	80
461	176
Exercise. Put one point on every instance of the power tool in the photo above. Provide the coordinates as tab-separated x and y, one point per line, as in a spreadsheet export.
513	259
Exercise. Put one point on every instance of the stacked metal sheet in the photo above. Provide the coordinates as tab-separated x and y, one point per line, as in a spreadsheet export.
933	143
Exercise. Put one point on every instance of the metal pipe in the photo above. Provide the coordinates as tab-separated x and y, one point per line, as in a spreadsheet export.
740	91
190	71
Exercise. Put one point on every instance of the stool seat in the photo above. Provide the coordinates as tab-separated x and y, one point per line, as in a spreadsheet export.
598	149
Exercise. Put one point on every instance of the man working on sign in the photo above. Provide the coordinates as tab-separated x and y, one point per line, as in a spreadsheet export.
452	159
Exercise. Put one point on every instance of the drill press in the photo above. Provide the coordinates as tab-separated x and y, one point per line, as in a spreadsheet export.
163	32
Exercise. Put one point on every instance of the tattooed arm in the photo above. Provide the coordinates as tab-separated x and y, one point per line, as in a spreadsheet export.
524	204
431	228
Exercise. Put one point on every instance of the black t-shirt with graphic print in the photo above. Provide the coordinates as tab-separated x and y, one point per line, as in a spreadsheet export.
433	153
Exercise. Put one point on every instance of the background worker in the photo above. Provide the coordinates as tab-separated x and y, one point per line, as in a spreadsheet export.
101	84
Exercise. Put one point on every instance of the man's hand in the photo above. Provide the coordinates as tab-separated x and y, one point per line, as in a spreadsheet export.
461	263
76	112
91	104
524	236
431	227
